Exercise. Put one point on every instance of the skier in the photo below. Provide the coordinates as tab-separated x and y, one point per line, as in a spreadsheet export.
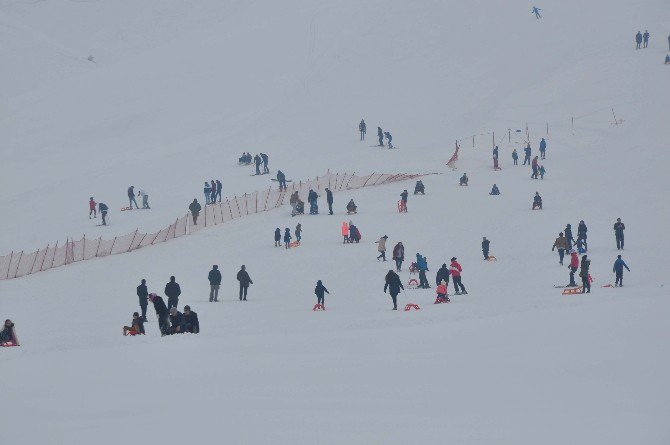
463	180
131	197
191	322
422	265
214	278
515	157
362	128
442	275
142	294
219	186
345	232
177	322
568	236
329	200
287	238
172	291
102	208
161	312
618	233
393	284
381	248
527	151
380	135
257	161
542	171
281	178
419	188
485	248
543	148
562	245
207	190
638	40
619	264
581	233
136	326
245	280
298	232
441	291
456	270
195	208
145	198
320	291
537	201
403	201
574	265
584	275
535	168
8	334
494	190
312	198
91	208
536	11
212	196
351	207
389	138
645	38
265	160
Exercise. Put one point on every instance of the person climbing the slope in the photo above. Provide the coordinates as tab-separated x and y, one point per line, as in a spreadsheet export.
381	248
393	284
399	255
102	208
195	208
91	208
562	245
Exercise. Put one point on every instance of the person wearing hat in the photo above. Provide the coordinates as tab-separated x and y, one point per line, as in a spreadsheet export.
422	266
177	322
485	248
320	291
574	265
619	264
562	245
172	291
136	326
143	293
8	334
456	270
245	280
399	255
214	278
618	233
381	248
91	208
161	312
191	323
584	275
442	275
393	284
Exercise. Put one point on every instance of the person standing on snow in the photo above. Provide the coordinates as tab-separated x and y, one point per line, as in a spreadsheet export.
172	291
381	248
581	233
312	198
645	38
281	179
345	232
277	237
380	135
562	245
219	186
143	294
162	313
207	190
131	197
535	168
102	208
362	128
638	40
618	233
543	148
214	278
442	275
320	291
456	270
619	264
422	266
265	160
298	232
542	171
584	274
399	255
485	248
393	284
195	208
287	238
389	138
257	161
245	280
403	200
527	152
91	208
212	195
515	157
329	200
574	265
145	198
536	11
568	236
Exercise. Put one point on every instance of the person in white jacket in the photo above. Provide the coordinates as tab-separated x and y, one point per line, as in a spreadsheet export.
381	247
145	198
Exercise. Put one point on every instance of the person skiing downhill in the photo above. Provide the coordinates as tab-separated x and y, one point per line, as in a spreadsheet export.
362	128
245	280
562	245
619	227
619	264
214	278
143	294
172	291
162	313
102	208
381	248
543	148
574	265
456	270
399	255
131	197
393	284
485	248
320	291
287	238
536	11
380	135
91	208
638	40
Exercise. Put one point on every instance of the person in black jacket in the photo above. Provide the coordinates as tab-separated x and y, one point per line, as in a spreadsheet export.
102	208
214	278
619	227
277	237
393	284
195	208
245	280
172	291
581	233
136	326
568	236
320	291
161	312
329	200
442	275
177	322
191	323
485	248
143	293
584	274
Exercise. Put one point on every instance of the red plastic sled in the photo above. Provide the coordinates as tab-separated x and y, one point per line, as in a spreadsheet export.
410	306
319	307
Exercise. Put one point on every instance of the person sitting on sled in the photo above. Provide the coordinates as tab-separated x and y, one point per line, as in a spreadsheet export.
136	326
441	290
537	201
463	180
351	207
494	190
419	188
7	335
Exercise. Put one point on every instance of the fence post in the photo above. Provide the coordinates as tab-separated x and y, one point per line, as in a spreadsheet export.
509	135
17	264
352	177
34	261
547	128
112	249
229	209
9	265
256	201
366	181
494	138
97	250
45	257
83	255
133	240
54	257
473	141
238	206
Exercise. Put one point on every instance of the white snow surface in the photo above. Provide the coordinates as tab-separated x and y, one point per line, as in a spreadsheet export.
180	88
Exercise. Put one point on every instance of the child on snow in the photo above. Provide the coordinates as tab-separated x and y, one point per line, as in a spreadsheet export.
351	207
441	290
345	232
136	326
91	208
7	335
287	238
542	171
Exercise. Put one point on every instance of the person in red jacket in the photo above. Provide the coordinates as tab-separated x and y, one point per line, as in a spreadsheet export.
534	165
574	265
456	270
91	208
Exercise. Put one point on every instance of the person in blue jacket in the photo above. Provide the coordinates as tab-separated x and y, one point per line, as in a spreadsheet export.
207	190
619	264
102	208
536	11
422	266
638	40
543	148
494	190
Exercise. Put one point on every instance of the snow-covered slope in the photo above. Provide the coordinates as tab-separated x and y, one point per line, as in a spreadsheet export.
179	89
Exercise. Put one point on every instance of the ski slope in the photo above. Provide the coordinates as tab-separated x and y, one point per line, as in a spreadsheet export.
179	89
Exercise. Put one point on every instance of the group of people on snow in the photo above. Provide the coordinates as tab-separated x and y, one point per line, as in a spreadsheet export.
212	191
